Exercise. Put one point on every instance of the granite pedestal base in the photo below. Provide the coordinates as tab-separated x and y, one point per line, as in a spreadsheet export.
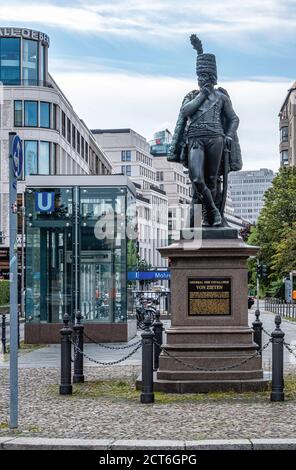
209	345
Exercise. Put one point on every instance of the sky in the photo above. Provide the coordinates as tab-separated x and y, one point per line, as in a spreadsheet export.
129	63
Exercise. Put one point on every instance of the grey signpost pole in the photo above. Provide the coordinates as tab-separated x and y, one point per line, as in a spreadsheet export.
15	160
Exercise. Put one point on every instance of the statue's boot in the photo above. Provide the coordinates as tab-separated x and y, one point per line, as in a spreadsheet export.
213	216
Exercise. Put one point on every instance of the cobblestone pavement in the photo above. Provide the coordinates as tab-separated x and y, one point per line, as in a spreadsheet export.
42	412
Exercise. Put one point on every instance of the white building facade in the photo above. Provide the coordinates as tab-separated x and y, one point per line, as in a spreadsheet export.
55	140
129	153
247	189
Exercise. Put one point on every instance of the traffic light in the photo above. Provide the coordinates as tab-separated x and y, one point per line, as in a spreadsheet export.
262	272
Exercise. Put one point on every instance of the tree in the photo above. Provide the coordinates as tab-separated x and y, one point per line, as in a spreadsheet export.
275	226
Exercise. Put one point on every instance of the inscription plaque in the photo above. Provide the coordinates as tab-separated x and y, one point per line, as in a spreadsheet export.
209	296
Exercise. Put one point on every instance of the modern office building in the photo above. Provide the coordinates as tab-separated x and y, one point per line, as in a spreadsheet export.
79	247
287	125
130	155
247	189
55	140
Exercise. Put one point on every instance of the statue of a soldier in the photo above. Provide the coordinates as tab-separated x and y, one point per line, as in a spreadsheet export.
205	139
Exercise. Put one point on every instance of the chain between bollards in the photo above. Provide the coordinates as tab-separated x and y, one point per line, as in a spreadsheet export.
147	395
157	327
277	384
78	328
3	333
66	333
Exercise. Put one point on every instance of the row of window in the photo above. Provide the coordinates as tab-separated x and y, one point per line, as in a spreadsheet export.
147	173
31	113
180	178
140	157
21	65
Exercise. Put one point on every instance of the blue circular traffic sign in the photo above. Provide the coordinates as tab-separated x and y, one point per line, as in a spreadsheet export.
17	156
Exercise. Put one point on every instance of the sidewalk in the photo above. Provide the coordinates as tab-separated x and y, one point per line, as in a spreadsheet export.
32	443
49	356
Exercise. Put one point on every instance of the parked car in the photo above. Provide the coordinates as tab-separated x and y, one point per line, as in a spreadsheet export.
250	301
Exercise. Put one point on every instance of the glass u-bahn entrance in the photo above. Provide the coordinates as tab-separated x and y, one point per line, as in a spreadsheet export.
76	250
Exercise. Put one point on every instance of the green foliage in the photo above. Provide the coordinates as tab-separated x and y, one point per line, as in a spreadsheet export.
4	292
275	230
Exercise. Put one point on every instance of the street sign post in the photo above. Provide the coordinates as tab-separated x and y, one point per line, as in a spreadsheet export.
15	170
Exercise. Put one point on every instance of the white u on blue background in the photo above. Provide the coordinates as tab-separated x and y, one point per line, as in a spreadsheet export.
44	202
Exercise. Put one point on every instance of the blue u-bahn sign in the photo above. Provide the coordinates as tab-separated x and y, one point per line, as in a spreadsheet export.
44	202
148	275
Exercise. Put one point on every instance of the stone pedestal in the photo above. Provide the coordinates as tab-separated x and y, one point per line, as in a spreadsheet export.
209	329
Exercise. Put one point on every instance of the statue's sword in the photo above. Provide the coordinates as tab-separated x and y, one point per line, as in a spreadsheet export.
225	175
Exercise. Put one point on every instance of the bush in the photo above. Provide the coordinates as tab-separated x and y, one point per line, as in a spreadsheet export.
4	292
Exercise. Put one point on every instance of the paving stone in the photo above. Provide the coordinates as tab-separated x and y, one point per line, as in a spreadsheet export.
219	444
41	443
147	444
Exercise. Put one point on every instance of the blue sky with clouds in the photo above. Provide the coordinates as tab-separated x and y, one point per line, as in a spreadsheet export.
129	62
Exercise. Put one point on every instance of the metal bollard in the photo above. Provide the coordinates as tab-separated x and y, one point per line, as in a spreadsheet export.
3	333
157	328
277	386
78	328
147	395
257	327
66	332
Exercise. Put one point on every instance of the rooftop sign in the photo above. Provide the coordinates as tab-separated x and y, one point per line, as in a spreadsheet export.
25	34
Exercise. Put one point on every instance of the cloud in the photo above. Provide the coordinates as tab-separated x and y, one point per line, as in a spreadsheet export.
147	19
147	104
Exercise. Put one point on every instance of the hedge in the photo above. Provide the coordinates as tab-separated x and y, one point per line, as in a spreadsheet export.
4	292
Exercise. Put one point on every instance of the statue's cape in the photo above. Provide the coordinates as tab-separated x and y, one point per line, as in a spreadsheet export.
179	138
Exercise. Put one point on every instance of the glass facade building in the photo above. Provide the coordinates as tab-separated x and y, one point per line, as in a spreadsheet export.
77	250
23	57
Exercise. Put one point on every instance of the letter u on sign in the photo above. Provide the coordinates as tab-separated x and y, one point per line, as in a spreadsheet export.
44	202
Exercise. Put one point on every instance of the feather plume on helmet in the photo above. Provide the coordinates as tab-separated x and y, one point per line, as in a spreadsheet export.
204	62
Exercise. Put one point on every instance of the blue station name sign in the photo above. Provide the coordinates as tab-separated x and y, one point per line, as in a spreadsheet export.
148	275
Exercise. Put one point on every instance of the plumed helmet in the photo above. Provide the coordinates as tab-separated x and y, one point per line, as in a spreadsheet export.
204	62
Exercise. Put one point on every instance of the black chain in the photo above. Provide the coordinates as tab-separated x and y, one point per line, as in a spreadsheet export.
205	369
288	347
266	332
110	347
111	363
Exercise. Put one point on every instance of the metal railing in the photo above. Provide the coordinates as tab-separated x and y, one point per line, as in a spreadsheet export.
280	307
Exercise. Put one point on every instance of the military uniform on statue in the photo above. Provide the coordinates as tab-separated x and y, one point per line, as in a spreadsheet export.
209	345
205	140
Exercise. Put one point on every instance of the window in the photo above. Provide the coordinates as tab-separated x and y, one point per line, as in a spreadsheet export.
82	147
18	113
54	116
31	113
31	157
42	64
126	155
10	72
128	170
30	62
284	158
54	163
159	176
44	114
73	136
284	134
86	151
43	160
68	130
78	142
123	169
63	124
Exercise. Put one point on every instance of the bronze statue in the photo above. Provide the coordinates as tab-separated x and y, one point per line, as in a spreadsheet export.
205	139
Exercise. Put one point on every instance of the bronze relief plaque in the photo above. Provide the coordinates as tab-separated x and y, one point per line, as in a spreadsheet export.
209	296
